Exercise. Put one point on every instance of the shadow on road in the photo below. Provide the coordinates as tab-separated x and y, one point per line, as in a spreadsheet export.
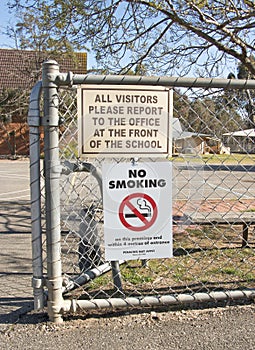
15	261
15	216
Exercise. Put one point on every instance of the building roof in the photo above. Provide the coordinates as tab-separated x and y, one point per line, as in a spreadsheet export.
21	69
179	133
241	133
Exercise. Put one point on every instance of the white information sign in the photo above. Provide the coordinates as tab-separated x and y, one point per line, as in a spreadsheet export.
124	120
137	200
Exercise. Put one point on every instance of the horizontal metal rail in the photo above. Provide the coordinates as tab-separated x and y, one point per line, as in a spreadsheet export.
74	305
77	79
71	284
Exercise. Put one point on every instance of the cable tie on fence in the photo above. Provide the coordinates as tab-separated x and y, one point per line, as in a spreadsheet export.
134	161
37	282
73	307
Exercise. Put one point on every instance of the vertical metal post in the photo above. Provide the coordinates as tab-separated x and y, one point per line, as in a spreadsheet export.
245	235
52	190
116	275
35	196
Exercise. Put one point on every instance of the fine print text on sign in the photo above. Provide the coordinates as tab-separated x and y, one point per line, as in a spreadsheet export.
137	210
124	120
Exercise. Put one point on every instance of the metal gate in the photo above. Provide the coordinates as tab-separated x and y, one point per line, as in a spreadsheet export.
213	200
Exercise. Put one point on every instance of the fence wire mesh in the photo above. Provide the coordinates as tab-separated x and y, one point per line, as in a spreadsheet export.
213	204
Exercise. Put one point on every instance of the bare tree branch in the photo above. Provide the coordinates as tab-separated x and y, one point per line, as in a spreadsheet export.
183	33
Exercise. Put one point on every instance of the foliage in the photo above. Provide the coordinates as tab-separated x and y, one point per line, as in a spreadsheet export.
167	36
208	112
245	98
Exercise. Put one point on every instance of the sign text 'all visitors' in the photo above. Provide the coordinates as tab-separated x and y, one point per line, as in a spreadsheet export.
118	121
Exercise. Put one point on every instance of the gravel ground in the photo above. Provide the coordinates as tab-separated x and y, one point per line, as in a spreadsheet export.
230	327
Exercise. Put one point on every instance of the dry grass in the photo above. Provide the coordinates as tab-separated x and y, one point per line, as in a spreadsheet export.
205	259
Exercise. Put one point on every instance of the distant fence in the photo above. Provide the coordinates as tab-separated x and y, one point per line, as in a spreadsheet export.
212	199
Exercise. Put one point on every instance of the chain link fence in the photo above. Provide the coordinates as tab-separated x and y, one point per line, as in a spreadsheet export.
213	156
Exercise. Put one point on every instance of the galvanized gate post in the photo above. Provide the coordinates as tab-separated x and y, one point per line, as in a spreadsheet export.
36	228
52	170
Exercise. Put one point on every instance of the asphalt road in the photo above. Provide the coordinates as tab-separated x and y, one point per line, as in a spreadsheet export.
198	182
15	241
190	181
14	185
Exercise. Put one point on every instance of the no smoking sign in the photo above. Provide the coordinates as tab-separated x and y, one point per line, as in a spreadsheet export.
137	200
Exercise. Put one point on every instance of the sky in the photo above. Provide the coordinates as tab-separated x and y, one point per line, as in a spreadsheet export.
5	18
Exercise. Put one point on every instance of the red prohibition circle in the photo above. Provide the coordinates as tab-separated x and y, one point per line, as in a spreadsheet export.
136	213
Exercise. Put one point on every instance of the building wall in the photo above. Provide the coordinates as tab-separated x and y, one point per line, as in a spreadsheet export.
240	144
